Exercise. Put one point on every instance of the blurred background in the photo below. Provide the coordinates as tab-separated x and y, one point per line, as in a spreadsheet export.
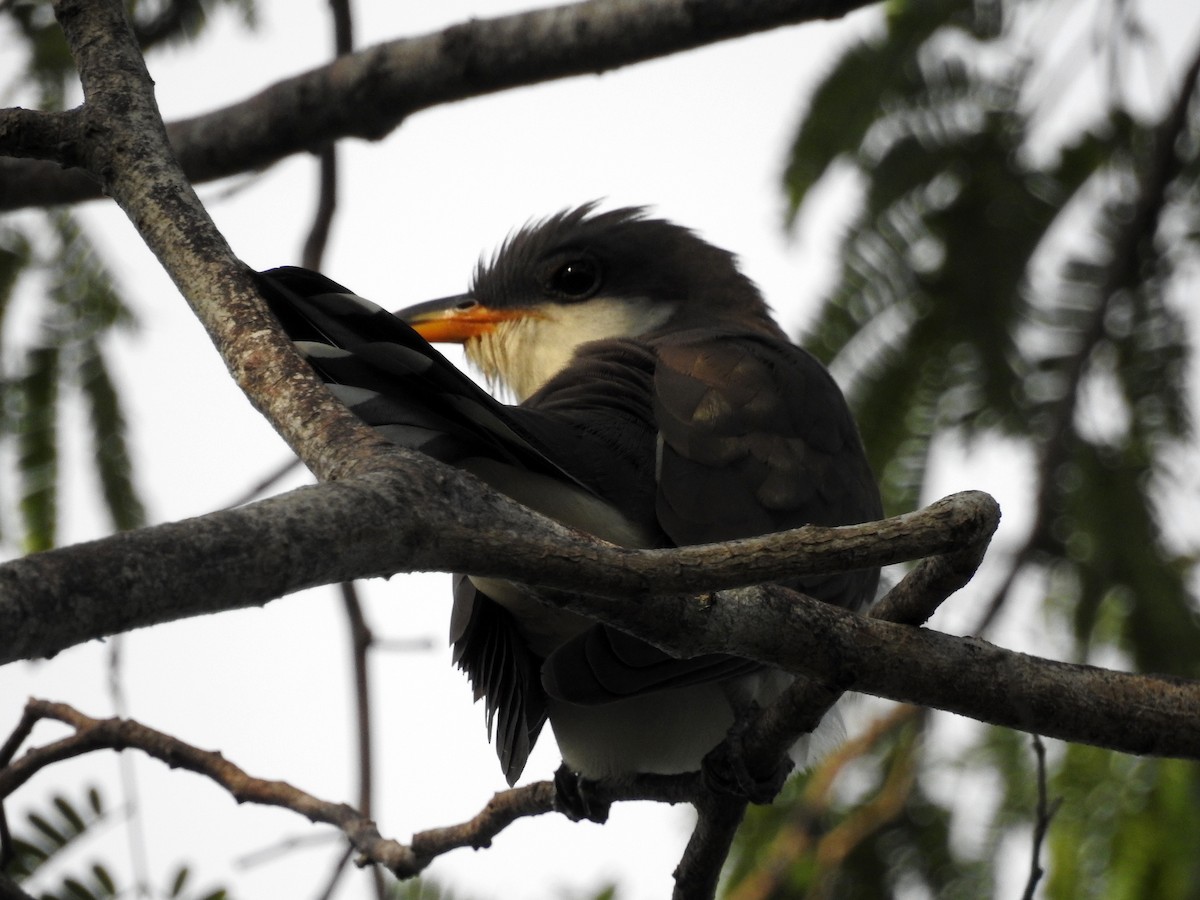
982	215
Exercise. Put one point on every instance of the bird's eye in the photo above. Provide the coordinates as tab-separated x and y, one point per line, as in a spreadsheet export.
576	279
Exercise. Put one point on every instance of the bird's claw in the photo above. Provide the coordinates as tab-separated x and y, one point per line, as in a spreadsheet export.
575	797
725	770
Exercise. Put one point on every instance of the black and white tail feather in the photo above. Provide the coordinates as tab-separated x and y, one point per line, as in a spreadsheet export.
392	378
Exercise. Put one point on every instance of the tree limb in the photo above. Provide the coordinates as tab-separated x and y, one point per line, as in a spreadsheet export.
369	93
365	527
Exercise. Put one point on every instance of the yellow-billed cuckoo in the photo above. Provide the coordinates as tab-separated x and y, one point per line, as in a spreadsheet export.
660	405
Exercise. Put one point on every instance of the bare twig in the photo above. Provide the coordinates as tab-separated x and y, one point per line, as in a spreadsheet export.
119	734
318	235
1045	812
361	641
335	877
327	192
361	638
264	484
139	854
402	860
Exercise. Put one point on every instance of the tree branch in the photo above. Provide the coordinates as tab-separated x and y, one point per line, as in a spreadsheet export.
364	527
119	137
120	734
369	93
404	861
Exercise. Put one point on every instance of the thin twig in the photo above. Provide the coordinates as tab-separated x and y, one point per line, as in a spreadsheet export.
139	854
335	877
118	734
361	641
1045	812
264	484
327	194
404	861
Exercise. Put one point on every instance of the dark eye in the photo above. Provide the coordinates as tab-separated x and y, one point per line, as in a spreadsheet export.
576	279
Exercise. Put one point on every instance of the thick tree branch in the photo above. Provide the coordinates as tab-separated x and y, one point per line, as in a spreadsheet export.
119	137
365	527
1143	714
1136	714
369	93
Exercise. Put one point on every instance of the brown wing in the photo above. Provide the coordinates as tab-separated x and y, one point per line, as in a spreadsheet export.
756	437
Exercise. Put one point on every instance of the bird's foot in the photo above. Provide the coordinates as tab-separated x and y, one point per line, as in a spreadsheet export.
575	797
726	770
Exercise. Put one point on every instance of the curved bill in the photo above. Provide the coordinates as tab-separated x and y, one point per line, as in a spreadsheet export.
455	319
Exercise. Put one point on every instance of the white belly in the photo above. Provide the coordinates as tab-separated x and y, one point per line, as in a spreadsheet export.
670	732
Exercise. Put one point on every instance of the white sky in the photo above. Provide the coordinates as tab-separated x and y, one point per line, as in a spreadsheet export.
700	137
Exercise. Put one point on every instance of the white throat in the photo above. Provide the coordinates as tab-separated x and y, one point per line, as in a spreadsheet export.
523	354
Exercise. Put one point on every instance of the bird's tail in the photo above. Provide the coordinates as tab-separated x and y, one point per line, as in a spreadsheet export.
392	378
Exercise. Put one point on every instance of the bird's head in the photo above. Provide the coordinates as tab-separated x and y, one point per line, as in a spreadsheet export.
582	276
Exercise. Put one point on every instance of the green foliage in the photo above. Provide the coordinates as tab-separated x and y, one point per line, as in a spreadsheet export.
995	288
1111	578
36	400
940	321
876	845
50	834
65	357
108	429
79	305
1126	828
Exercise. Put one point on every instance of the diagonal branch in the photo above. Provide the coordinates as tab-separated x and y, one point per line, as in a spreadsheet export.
404	861
369	93
119	734
119	137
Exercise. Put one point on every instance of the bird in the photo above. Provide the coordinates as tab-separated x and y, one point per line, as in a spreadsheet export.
657	404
